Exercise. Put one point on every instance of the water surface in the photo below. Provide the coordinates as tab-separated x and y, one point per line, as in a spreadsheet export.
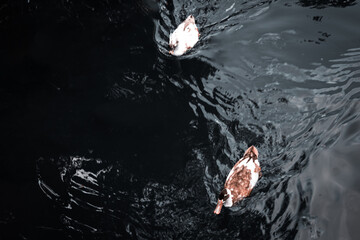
107	136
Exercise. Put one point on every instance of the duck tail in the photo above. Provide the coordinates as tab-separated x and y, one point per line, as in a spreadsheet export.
251	152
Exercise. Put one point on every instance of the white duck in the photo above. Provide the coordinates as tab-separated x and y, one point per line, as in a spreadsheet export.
184	37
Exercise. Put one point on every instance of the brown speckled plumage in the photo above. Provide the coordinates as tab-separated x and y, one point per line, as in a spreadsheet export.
241	180
239	183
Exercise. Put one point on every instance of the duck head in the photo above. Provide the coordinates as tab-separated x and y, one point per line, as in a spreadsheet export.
225	198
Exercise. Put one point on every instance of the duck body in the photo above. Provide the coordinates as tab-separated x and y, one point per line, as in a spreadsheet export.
241	180
185	36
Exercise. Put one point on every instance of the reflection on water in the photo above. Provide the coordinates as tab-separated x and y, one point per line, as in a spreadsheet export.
144	141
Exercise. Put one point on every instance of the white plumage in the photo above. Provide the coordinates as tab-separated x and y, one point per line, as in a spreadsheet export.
185	36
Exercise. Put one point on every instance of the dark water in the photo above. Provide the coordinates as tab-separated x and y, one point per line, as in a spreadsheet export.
107	136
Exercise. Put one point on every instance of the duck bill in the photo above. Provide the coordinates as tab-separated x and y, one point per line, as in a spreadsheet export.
218	207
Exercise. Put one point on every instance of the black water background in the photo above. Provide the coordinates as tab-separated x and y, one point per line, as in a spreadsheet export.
104	135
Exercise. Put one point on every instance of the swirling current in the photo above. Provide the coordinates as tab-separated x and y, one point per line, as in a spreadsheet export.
105	135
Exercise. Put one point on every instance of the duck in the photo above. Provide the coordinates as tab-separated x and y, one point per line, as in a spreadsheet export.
185	36
241	180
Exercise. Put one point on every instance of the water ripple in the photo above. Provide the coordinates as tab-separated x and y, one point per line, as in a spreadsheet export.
298	117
